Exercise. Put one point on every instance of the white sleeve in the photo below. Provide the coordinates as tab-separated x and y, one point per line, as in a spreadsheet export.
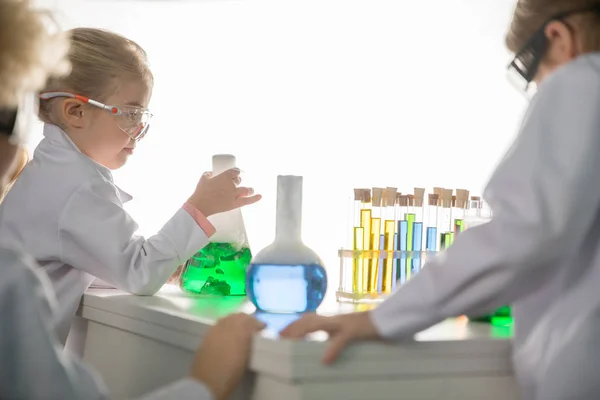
33	365
544	194
185	389
98	236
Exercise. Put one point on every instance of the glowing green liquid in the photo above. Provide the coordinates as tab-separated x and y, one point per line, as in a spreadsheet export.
501	317
217	269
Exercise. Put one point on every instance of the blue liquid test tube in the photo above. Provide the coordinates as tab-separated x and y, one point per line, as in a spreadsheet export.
431	242
417	246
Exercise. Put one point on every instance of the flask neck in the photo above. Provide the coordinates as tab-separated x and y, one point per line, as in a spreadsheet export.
222	162
289	209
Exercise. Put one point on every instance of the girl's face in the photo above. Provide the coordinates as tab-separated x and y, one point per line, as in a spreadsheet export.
97	132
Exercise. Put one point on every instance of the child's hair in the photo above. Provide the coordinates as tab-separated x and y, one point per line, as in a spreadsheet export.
100	61
28	49
22	160
530	15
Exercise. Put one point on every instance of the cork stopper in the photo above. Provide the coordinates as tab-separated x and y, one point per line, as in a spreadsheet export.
453	201
440	193
447	198
410	200
419	197
398	198
389	196
403	201
462	198
362	195
433	200
377	197
476	202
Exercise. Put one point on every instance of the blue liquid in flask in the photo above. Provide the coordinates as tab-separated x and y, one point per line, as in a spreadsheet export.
277	288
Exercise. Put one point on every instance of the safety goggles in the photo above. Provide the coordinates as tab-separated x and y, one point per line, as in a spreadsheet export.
524	67
15	122
132	120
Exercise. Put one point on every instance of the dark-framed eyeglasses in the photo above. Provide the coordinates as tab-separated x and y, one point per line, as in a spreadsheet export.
525	65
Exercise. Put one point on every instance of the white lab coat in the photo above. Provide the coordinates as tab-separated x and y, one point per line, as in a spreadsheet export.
541	251
67	212
33	365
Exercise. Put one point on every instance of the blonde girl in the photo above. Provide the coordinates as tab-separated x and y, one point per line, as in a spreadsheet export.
65	207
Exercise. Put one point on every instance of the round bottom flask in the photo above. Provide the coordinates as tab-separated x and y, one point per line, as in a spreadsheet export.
287	276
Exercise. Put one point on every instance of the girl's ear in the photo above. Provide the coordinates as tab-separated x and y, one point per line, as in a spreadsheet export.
73	113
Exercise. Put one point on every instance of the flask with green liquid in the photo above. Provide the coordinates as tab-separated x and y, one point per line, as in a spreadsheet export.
500	317
220	267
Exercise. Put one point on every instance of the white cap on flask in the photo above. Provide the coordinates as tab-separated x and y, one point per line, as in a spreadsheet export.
222	162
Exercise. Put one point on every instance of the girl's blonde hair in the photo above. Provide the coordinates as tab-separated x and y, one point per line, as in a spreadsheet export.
29	50
21	161
530	15
100	61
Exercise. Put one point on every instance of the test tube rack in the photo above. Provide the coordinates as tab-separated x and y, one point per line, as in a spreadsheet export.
393	235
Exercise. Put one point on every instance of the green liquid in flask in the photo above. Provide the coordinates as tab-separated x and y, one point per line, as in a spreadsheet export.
217	269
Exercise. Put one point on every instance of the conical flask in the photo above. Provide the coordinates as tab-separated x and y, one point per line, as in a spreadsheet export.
287	276
220	267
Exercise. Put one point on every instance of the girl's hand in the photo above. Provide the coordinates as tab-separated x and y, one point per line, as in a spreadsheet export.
342	330
175	278
220	193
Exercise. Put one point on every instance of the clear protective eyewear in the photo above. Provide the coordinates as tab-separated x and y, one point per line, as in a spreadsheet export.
524	67
132	120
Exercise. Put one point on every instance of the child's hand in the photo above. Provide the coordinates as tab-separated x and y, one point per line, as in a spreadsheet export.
223	356
217	194
342	330
176	277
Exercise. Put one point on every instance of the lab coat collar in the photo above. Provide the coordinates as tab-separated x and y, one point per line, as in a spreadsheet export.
58	137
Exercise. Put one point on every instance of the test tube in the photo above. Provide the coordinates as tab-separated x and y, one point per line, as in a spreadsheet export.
458	212
387	277
365	224
402	205
473	210
362	198
375	239
445	234
418	229
432	223
397	218
410	220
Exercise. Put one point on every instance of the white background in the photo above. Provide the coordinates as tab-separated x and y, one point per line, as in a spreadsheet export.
347	93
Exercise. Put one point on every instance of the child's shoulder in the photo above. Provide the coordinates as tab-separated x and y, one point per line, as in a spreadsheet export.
581	75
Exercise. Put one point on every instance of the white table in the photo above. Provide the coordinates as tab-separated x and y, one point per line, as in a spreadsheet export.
141	343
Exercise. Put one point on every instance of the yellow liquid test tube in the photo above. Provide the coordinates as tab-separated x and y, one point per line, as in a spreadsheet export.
358	273
365	224
375	245
410	219
388	244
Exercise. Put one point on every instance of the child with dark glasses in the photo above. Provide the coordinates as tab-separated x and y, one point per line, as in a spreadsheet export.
541	250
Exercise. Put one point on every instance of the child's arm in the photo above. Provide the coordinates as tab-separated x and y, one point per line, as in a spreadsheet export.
98	236
546	199
33	365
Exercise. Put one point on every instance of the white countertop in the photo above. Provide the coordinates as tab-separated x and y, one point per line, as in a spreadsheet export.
171	316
